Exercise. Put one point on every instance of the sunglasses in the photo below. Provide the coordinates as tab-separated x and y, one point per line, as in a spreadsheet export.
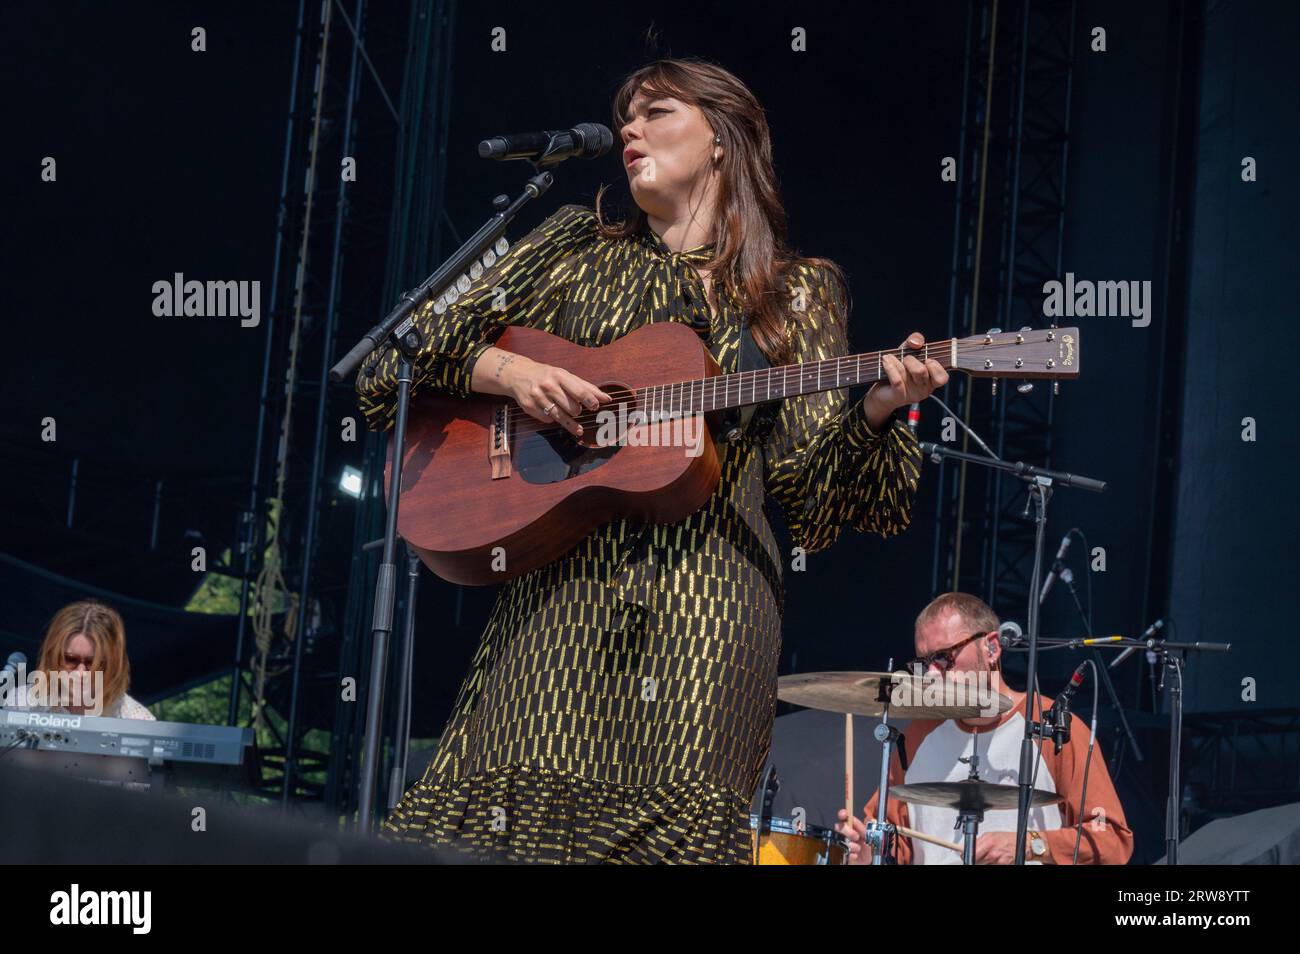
943	657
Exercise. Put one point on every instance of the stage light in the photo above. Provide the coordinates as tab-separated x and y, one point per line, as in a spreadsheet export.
350	482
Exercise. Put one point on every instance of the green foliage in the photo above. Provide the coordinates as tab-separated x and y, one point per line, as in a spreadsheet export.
217	594
209	703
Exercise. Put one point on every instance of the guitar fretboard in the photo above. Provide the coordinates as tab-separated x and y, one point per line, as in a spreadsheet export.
743	388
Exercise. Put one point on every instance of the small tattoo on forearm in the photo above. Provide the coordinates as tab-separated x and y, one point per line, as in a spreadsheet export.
505	360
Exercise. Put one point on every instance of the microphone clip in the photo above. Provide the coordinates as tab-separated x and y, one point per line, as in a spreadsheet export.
1056	721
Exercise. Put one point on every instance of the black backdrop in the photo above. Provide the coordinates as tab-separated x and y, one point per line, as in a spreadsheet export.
1234	556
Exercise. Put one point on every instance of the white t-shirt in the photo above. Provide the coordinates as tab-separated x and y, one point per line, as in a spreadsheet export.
935	760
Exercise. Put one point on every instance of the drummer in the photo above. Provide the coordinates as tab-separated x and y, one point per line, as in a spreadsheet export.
958	633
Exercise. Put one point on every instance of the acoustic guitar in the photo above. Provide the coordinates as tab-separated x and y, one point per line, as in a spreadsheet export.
489	492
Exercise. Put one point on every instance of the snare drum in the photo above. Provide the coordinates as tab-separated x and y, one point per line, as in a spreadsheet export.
783	844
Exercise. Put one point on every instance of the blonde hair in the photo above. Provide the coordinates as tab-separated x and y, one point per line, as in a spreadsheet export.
103	626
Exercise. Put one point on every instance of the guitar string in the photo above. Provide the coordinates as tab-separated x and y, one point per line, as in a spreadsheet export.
814	369
735	379
532	425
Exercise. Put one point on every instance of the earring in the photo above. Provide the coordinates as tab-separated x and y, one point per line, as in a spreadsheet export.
717	138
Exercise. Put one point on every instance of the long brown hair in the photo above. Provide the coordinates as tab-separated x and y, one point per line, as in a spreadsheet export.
751	257
103	626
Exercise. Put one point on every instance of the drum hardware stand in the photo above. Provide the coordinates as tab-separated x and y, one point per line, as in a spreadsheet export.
768	788
399	328
880	833
970	816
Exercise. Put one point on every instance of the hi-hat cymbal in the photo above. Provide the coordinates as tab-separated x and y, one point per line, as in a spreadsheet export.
910	697
969	795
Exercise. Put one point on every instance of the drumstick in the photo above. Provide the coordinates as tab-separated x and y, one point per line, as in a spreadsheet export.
848	765
913	833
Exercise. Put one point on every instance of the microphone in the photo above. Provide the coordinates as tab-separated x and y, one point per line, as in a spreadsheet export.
584	141
1010	634
1130	650
1058	714
1051	577
1071	687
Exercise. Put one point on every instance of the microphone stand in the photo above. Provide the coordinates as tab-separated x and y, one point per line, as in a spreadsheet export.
1172	654
1041	481
399	328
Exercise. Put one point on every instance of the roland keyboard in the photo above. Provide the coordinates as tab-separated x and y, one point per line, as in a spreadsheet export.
127	750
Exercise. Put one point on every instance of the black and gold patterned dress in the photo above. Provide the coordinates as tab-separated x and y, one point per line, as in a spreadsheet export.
620	704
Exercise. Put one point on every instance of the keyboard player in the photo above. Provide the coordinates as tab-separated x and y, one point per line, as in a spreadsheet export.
82	667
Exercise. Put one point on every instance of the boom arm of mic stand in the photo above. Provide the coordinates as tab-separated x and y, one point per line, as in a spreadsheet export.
1024	471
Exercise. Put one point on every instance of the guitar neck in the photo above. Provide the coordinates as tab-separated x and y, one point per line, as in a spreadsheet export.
743	388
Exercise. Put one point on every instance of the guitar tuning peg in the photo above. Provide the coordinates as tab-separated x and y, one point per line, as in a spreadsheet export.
995	387
1024	387
994	331
1056	388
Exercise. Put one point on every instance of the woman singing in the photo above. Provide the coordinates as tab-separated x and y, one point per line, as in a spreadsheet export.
620	704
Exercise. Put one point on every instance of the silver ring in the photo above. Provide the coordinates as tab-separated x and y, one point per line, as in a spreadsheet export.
548	411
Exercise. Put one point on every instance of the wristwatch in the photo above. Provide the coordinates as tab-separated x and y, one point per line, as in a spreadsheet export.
1037	845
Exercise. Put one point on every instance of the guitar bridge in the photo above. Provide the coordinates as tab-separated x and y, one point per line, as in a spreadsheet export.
499	443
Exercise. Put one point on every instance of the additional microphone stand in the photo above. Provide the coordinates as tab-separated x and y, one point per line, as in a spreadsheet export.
399	328
1172	655
1041	481
1173	663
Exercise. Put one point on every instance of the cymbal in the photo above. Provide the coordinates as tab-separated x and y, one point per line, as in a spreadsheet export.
910	697
969	796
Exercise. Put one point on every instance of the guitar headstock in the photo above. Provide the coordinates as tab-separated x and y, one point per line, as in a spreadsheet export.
1051	353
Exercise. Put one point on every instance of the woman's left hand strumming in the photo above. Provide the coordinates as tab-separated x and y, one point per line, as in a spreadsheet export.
910	380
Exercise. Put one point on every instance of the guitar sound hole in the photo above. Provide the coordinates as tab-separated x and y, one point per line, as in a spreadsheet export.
552	454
